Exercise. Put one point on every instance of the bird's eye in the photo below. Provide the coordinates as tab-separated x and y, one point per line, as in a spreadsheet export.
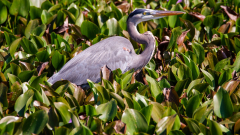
144	13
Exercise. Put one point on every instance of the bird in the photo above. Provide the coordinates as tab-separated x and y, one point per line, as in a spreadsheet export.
114	52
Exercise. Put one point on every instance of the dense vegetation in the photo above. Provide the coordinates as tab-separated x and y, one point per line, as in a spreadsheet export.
191	86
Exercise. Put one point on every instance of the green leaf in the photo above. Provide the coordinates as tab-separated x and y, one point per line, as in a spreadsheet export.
165	123
63	111
47	17
154	87
58	60
176	32
214	127
15	69
199	51
102	93
28	46
135	121
37	120
157	111
81	130
39	30
13	78
14	45
30	27
3	13
125	80
193	125
113	26
108	110
223	106
122	22
35	13
43	56
23	102
61	130
90	110
174	19
24	76
20	7
193	104
3	96
89	29
119	100
147	111
209	78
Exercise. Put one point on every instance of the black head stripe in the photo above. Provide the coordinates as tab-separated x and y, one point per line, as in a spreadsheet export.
137	11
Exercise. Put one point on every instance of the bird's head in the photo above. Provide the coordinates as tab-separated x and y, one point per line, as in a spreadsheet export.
140	15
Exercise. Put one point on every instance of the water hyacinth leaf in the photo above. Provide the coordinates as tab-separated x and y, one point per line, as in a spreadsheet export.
37	120
58	60
89	29
176	32
223	106
90	110
62	130
108	110
81	130
113	26
122	22
63	111
28	46
14	45
221	64
214	127
174	19
15	69
102	93
193	104
209	78
236	66
43	56
23	102
147	111
199	51
3	96
134	121
119	100
47	17
154	87
39	30
193	125
157	111
165	123
176	132
13	78
198	113
35	12
126	80
24	76
36	3
30	27
20	7
179	87
3	13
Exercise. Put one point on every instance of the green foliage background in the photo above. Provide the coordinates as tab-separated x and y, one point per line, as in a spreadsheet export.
191	86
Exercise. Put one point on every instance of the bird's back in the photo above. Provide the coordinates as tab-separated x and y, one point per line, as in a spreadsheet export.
115	52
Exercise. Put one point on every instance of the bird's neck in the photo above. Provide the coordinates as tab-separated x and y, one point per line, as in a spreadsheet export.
147	39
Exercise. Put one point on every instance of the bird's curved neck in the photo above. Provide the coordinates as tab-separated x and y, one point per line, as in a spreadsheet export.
146	38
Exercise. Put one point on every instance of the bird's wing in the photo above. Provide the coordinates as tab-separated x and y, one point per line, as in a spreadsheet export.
115	52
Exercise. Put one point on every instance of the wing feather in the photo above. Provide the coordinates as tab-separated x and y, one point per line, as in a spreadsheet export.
87	64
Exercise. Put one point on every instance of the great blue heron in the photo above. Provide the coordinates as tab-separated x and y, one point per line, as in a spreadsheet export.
115	52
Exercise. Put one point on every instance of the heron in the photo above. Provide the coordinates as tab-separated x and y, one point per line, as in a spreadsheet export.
114	52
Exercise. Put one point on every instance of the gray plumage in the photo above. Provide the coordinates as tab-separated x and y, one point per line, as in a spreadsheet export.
115	52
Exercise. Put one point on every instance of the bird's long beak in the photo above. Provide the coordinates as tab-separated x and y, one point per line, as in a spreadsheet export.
166	13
